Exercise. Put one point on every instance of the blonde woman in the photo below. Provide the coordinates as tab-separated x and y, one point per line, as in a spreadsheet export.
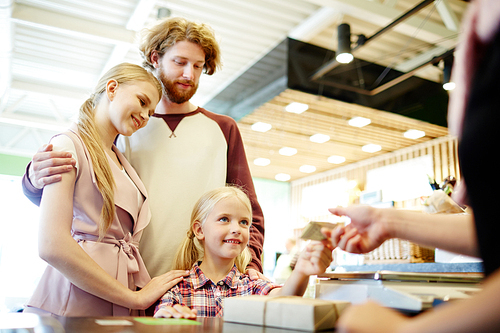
216	251
92	220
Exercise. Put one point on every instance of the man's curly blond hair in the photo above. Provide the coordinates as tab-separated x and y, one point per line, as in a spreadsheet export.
169	31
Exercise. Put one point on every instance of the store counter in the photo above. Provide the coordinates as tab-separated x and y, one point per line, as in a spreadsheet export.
405	291
31	322
428	267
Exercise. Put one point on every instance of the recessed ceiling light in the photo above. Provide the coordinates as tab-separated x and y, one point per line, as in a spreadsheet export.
296	107
335	159
359	121
288	151
282	177
319	138
371	148
344	58
261	161
414	134
449	86
307	168
261	127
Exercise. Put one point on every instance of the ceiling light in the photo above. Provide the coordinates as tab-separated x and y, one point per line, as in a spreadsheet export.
449	86
344	58
414	134
344	55
262	161
307	168
296	107
282	177
261	127
319	138
288	151
371	148
335	159
359	121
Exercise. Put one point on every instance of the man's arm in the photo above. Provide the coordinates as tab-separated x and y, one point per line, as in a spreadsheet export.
238	173
45	168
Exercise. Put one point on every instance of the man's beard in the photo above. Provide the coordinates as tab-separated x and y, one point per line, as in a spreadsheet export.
171	90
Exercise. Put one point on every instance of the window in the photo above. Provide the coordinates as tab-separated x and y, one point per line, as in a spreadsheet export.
20	265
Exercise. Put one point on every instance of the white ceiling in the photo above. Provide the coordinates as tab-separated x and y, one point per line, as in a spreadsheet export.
52	52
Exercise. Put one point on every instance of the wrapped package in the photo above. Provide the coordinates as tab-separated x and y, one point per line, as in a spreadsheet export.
291	312
441	203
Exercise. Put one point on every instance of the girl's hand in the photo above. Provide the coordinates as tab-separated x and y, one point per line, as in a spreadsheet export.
176	311
315	258
157	287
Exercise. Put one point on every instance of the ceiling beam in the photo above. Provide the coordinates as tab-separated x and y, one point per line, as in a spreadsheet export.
50	90
71	26
327	67
448	16
315	23
140	15
382	14
24	121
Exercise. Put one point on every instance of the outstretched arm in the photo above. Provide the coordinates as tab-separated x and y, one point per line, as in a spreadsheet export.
370	227
314	259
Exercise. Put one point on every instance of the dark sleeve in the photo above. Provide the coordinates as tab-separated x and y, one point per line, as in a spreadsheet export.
238	173
31	192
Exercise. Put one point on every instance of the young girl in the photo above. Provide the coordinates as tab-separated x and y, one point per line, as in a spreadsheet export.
92	220
215	249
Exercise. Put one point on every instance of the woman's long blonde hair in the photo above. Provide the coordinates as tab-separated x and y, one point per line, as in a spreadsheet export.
87	129
191	250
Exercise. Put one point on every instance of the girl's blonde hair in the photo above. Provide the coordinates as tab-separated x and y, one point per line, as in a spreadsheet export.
177	29
122	73
191	250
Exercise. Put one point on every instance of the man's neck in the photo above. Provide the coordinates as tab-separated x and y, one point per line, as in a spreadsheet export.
167	107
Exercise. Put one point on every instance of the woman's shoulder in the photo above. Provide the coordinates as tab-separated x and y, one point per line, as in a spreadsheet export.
63	142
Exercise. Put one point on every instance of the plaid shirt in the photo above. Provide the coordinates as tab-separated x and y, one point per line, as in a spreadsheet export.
200	293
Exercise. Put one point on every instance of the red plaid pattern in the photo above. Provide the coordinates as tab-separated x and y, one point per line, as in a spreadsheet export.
200	293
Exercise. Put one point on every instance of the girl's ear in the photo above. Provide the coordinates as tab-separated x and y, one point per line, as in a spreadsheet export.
111	88
198	230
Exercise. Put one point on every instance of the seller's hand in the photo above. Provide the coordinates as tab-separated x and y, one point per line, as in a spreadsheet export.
157	287
365	233
254	274
315	258
177	311
47	166
370	318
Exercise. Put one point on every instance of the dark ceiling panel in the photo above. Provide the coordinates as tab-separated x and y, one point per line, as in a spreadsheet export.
358	81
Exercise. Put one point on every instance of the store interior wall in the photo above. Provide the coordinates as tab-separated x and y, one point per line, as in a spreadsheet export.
283	205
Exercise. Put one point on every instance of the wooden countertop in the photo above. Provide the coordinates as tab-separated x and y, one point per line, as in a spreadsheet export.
137	325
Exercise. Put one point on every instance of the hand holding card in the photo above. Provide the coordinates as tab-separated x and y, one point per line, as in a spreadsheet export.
313	230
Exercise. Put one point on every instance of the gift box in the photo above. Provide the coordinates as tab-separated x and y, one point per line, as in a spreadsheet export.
291	312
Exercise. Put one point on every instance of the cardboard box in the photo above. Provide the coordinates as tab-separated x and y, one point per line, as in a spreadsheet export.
292	312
